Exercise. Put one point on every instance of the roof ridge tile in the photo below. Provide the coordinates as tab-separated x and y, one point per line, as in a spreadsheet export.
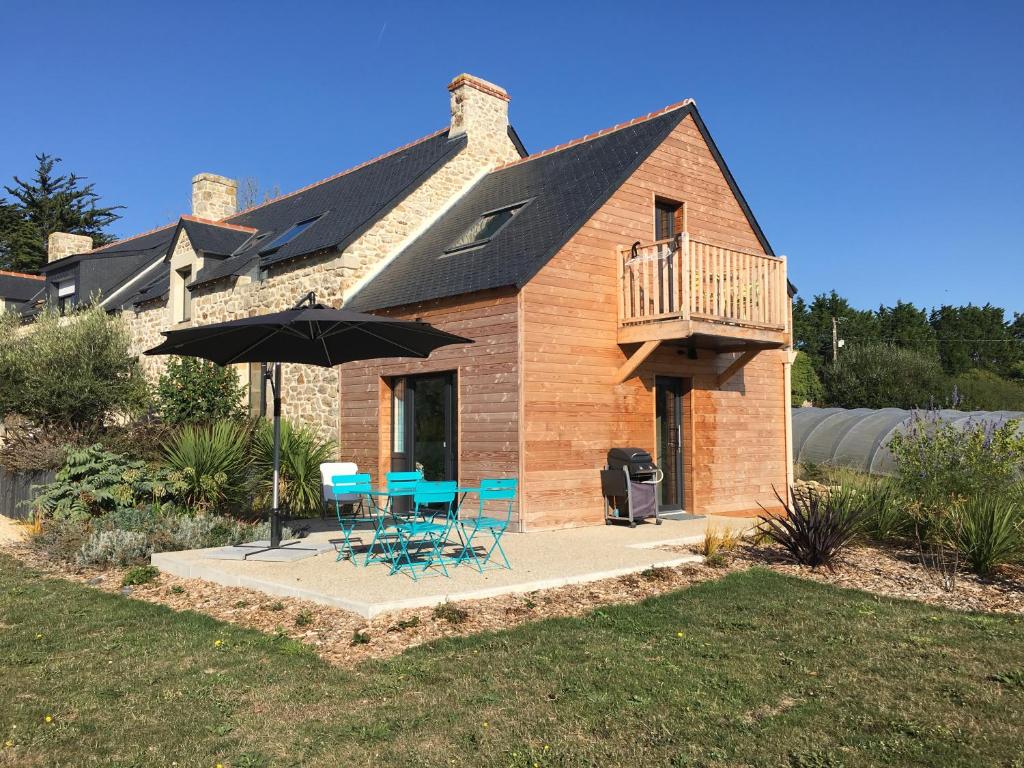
597	134
8	273
215	223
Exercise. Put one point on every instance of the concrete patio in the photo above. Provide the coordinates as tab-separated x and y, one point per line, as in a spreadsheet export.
540	560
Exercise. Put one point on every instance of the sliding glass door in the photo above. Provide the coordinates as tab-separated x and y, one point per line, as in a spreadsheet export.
423	425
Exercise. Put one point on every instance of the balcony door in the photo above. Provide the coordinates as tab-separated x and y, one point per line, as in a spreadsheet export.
423	425
668	415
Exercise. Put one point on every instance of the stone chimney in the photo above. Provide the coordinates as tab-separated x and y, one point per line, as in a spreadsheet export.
214	197
480	110
61	244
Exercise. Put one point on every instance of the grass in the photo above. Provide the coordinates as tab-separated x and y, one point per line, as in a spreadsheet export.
754	669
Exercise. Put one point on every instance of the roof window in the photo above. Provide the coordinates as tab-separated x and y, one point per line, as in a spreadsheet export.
287	236
485	228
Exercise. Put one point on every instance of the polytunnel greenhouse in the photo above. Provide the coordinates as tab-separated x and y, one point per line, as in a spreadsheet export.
858	438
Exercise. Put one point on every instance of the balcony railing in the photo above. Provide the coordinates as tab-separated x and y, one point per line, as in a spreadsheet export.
690	279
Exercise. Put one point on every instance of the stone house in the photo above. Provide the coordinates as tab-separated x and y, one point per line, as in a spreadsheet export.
618	289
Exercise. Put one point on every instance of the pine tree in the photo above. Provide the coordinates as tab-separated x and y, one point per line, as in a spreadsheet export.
49	202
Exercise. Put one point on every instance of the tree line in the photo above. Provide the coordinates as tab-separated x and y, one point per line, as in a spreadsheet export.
969	357
49	202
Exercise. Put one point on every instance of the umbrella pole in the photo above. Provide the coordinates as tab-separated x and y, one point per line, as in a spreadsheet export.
275	519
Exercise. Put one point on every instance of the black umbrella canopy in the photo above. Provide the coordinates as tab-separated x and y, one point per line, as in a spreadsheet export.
313	335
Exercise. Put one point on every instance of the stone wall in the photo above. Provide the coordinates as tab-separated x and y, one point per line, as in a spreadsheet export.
146	324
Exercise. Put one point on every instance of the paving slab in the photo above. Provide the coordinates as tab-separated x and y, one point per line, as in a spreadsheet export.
540	560
289	551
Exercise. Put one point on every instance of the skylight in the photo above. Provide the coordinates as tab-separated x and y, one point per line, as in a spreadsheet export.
484	228
287	236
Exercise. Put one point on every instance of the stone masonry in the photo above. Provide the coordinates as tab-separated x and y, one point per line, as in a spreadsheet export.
310	394
214	197
61	244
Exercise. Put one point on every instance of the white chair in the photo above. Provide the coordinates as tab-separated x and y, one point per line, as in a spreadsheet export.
330	470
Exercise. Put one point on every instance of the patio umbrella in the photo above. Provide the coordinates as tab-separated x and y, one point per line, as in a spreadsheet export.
310	334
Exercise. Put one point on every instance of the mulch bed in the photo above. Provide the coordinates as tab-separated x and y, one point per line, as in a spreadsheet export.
895	572
332	632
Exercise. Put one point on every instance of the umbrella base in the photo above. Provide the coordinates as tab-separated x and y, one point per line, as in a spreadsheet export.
289	551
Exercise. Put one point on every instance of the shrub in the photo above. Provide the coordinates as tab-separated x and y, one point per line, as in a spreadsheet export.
61	539
806	386
990	532
303	618
33	449
939	463
884	376
302	453
94	481
982	390
886	517
196	391
114	547
140	574
450	613
815	528
360	638
77	372
213	460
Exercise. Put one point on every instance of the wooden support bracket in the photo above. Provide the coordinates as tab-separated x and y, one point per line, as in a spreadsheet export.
735	366
629	367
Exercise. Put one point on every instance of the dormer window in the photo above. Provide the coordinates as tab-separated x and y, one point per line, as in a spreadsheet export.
183	296
66	291
484	229
287	236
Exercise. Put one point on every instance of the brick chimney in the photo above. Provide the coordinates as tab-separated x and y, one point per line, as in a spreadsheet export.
61	244
480	110
214	197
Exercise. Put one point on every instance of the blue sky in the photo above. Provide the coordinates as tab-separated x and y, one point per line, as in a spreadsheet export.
880	144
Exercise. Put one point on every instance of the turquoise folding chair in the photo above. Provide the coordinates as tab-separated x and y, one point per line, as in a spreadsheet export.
421	538
494	491
385	536
352	494
401	485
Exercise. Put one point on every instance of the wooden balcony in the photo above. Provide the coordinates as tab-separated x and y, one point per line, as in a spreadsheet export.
714	296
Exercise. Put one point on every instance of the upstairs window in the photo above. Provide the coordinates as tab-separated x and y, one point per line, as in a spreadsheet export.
485	228
66	291
287	236
668	219
185	300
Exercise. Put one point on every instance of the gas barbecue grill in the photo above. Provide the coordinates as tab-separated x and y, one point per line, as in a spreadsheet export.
629	484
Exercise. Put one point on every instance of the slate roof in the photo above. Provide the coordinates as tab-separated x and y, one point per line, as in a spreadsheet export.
348	204
108	269
18	287
154	285
214	239
564	189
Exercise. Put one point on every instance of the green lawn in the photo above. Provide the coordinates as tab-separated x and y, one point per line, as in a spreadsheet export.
767	671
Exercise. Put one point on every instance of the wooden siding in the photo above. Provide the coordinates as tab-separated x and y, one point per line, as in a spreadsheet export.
735	445
487	378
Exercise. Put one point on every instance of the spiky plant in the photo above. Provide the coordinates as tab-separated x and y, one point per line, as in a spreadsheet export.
814	529
214	460
302	453
990	532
